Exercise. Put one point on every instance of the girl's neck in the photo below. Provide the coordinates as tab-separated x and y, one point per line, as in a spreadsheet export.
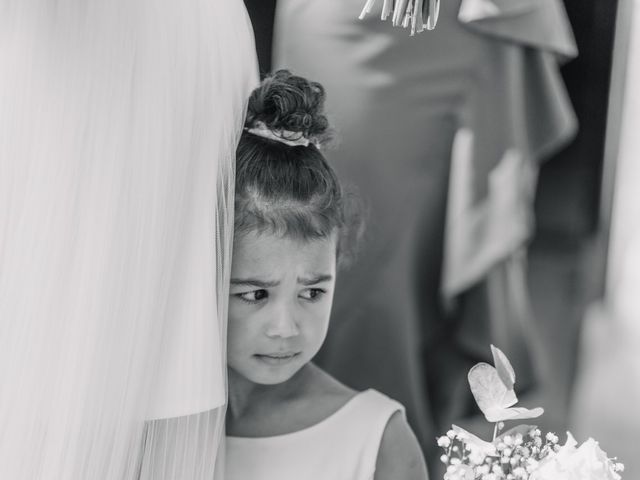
245	396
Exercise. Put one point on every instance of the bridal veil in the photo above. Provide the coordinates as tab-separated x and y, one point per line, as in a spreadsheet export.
118	126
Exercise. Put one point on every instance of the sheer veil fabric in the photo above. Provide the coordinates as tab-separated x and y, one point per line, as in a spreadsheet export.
119	124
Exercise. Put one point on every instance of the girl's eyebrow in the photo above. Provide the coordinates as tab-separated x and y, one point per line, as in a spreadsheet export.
254	282
306	281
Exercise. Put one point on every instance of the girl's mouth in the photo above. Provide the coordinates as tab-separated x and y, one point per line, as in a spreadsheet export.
278	358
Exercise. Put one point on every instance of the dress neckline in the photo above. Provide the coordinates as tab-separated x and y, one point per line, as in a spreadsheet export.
348	405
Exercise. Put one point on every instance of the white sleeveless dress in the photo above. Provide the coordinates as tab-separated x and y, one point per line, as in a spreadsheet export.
344	446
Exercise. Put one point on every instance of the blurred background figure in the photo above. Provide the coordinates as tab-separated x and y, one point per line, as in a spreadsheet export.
442	135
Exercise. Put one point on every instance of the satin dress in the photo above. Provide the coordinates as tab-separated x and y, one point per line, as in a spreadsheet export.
440	135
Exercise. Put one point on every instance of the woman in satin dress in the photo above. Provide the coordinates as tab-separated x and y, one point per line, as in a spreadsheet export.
440	135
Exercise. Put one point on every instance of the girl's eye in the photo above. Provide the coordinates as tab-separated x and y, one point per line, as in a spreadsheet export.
312	294
253	296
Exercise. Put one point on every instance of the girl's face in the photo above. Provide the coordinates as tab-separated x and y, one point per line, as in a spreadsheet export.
279	306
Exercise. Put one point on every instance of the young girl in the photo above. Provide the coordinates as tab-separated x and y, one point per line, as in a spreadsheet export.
287	419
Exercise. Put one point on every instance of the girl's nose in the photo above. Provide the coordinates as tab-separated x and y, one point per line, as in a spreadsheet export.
283	323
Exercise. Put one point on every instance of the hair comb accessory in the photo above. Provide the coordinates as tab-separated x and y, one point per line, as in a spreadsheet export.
293	139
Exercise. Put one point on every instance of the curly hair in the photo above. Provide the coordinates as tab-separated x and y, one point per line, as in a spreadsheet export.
291	190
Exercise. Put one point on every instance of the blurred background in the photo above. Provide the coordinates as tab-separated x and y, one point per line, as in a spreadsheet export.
560	295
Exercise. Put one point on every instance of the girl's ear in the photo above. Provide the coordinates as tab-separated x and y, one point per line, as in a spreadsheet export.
353	229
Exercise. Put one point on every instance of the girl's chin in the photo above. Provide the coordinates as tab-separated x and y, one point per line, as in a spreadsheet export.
270	371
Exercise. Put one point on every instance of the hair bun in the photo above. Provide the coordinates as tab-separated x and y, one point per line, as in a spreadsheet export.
284	101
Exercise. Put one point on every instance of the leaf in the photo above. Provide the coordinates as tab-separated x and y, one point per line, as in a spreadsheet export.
489	391
504	368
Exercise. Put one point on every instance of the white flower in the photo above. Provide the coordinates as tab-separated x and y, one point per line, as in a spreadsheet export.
459	472
588	462
531	465
444	441
551	437
444	459
520	472
476	457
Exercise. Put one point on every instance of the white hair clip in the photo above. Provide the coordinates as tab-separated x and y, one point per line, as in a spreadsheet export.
293	139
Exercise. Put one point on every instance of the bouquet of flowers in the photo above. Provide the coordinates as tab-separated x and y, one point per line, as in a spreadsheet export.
417	14
522	452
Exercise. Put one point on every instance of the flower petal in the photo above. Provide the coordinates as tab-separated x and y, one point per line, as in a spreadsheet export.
504	368
474	442
488	389
515	413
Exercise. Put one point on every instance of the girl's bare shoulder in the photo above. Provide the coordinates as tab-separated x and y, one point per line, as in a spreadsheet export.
400	455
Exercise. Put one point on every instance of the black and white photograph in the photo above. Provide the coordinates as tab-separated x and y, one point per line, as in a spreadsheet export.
319	240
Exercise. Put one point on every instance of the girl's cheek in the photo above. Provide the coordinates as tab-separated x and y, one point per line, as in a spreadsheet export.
237	325
244	324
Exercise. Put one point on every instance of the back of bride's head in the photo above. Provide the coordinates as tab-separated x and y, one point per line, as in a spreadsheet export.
284	185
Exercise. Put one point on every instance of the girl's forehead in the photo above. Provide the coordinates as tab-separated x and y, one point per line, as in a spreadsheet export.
256	240
266	253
